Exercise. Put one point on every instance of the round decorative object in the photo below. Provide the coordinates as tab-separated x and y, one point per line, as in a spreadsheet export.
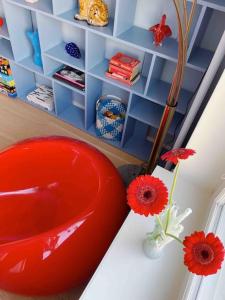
73	50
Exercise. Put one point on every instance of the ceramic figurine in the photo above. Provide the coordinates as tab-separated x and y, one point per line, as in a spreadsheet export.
157	240
95	12
34	39
160	31
73	50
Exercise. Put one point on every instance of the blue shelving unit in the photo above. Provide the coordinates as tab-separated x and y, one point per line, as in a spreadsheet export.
127	32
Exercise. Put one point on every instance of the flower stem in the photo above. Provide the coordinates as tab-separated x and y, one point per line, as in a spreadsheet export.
171	196
174	237
161	224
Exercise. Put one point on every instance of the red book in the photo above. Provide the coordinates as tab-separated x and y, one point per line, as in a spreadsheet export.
125	62
122	79
127	74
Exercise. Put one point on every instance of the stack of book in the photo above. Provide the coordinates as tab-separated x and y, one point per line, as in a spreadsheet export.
7	83
124	68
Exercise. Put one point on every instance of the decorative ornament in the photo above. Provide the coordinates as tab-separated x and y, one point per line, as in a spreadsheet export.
160	31
147	195
73	50
34	39
95	12
1	22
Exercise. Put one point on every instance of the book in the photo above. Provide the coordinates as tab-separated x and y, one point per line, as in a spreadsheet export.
7	90
125	62
122	79
42	96
125	73
71	76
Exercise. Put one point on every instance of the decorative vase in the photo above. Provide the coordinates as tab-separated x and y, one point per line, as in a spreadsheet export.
167	228
34	39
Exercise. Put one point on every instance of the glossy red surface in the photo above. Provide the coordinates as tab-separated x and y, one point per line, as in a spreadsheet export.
61	204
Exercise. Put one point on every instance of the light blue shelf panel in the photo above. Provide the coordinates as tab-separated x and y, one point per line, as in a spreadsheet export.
69	17
28	62
99	72
6	49
201	57
4	33
58	53
215	4
74	116
42	5
144	38
149	113
158	92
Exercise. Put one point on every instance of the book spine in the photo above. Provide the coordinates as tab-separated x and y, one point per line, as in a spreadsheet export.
119	78
121	65
125	73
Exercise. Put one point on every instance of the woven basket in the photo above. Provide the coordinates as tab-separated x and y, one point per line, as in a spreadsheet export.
110	129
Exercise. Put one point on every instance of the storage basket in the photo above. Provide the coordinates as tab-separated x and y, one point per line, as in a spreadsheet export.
106	127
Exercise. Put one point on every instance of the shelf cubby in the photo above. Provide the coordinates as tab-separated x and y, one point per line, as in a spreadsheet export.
212	25
150	113
101	49
4	33
67	11
70	105
96	89
135	139
27	81
21	46
132	25
6	48
44	6
61	33
160	82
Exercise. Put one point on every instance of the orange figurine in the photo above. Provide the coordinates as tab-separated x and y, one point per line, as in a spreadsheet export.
160	31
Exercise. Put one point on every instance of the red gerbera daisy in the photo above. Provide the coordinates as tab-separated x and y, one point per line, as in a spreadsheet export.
203	254
147	195
176	154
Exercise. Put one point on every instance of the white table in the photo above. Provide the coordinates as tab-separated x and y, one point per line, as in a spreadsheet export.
125	273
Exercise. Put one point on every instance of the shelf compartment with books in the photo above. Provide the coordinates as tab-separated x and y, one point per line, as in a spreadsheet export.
160	82
98	88
150	113
61	34
67	11
70	105
42	5
51	66
6	49
135	140
27	81
207	38
21	45
100	50
132	25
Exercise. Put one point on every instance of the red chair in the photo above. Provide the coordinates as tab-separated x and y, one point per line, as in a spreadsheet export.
61	204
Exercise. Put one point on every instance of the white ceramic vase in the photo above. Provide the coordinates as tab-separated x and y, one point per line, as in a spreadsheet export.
156	240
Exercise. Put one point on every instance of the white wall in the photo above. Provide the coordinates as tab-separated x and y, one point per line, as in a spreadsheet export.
208	165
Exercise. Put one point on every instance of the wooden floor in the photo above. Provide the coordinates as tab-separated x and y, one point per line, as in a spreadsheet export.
18	121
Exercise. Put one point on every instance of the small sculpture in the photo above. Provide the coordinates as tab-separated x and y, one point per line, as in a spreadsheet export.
160	31
95	12
157	240
1	22
73	50
34	39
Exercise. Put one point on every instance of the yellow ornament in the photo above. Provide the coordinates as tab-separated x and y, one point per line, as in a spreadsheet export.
95	12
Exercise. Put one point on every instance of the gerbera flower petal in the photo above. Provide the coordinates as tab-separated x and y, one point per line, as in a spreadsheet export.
147	195
203	254
175	155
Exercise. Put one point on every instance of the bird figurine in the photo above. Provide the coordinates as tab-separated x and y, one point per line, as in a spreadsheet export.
160	31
